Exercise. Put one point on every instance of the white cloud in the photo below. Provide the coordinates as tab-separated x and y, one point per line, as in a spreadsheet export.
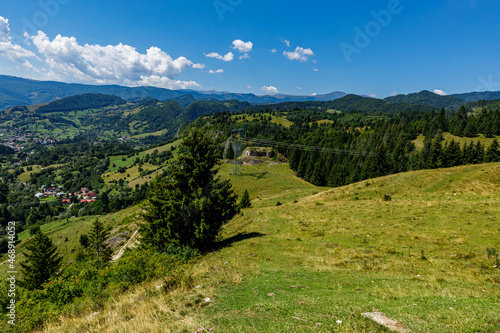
241	46
249	86
199	66
165	82
287	42
4	29
110	64
13	52
393	93
227	57
218	71
440	92
274	51
300	88
300	54
373	96
315	70
269	90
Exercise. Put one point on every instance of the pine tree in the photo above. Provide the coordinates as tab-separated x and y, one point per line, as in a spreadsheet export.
229	152
97	246
190	205
245	200
41	263
493	152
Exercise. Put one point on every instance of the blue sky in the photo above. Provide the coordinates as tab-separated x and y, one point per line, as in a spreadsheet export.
372	47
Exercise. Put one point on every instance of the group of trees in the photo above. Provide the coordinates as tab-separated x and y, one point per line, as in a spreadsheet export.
43	260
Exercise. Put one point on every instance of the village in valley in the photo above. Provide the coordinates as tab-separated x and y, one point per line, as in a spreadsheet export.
82	196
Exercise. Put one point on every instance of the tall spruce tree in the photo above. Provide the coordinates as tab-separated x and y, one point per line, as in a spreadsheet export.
245	200
229	152
97	246
190	204
493	152
42	262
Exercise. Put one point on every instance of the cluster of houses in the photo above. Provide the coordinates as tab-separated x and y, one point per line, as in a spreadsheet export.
83	195
17	139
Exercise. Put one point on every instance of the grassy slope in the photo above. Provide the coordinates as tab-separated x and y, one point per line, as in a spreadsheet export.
71	229
333	255
419	142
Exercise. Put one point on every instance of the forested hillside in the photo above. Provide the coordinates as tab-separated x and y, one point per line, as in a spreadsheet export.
81	102
339	149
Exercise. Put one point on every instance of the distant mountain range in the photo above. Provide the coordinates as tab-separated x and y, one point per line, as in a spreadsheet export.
15	91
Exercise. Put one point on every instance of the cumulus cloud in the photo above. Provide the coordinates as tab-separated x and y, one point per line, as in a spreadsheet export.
165	82
315	69
269	89
274	51
227	57
4	30
393	93
111	64
199	66
300	54
440	92
373	95
287	42
218	71
13	52
241	46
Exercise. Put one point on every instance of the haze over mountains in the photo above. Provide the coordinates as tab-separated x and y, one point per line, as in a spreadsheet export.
15	91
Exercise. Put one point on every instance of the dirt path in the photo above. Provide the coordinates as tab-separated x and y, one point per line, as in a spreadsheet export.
128	244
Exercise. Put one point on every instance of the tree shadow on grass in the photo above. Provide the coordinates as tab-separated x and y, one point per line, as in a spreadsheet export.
237	238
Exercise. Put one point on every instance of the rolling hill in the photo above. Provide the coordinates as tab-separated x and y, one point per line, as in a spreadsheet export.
323	256
428	98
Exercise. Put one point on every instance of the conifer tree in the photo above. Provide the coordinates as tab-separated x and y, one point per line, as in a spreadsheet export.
190	204
97	246
245	200
493	152
42	262
229	152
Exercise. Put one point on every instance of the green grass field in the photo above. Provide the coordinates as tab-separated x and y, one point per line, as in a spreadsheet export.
412	245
